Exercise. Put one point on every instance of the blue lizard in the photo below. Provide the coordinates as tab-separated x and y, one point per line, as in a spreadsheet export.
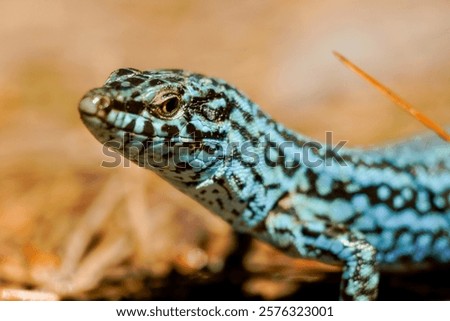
363	208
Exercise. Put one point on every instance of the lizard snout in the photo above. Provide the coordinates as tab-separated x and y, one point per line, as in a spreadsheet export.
93	102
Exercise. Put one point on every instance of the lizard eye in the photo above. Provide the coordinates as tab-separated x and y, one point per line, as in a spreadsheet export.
169	107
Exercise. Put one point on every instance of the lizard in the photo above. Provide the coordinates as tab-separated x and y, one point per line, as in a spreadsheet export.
367	209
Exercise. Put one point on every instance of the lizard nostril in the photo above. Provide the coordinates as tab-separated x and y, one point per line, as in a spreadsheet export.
92	104
102	102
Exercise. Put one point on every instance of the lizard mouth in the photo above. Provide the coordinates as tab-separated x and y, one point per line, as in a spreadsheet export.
138	139
106	123
98	113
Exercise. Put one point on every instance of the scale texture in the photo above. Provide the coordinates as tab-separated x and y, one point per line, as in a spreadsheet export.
365	209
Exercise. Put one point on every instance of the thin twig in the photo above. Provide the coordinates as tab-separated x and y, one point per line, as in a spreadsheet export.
395	98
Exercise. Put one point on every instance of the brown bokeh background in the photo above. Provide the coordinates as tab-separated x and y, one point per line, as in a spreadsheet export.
72	229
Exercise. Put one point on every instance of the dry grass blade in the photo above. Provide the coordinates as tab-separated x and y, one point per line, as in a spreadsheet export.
110	252
8	294
92	221
395	98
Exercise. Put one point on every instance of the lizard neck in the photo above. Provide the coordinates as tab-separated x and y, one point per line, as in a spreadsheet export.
263	161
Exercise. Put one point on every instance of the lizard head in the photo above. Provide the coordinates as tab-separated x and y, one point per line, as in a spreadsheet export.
171	121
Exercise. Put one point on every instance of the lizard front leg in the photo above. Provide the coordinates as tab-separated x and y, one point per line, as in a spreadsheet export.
332	243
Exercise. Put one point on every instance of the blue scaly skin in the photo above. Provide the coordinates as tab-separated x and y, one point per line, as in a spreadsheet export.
363	209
